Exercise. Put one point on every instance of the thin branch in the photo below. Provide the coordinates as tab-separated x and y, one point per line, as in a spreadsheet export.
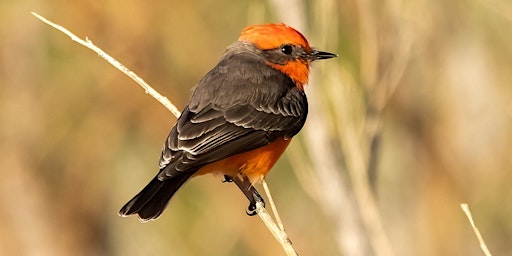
276	230
272	205
465	209
88	43
279	234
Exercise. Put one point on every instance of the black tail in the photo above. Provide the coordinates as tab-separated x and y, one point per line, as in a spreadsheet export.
152	200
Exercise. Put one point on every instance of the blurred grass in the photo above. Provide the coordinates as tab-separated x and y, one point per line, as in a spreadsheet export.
430	80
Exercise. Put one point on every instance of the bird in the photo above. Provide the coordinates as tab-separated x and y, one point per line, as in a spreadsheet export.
239	120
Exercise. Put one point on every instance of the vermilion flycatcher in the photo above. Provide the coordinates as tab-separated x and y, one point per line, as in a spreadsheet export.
240	119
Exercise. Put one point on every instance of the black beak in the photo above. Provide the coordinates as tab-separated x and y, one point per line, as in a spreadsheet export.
319	55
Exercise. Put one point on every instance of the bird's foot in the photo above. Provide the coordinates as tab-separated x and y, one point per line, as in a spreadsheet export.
251	210
227	179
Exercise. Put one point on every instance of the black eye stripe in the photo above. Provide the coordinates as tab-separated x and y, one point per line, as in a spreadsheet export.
283	54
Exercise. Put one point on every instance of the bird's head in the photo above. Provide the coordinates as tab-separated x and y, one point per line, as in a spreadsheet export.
284	49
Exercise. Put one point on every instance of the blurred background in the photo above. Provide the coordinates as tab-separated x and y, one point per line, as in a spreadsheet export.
413	118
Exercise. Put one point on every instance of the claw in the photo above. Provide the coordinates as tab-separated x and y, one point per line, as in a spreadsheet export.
249	191
251	210
227	179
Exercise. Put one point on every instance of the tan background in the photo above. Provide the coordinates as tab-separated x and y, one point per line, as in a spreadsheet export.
428	83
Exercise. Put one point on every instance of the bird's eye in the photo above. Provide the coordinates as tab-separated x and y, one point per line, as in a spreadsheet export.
287	49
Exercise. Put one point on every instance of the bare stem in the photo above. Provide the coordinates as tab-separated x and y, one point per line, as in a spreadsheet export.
279	234
465	209
275	229
88	43
272	205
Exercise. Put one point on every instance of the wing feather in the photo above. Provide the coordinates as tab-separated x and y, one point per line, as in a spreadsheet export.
251	113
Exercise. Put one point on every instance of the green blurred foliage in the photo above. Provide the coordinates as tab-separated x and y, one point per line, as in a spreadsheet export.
429	80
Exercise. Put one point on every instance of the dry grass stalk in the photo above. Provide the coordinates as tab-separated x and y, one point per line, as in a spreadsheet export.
465	209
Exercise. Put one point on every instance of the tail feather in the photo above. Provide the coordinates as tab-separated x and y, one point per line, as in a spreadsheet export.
152	200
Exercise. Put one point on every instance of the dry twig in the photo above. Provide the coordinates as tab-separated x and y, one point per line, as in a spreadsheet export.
88	43
465	209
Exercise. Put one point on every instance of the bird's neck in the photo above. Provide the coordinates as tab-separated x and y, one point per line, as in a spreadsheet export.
298	71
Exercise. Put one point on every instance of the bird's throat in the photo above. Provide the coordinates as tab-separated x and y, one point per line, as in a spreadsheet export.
298	71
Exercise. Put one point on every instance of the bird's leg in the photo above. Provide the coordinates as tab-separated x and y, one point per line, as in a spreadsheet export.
227	179
250	192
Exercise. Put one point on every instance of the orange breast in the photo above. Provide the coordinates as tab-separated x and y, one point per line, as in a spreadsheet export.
254	164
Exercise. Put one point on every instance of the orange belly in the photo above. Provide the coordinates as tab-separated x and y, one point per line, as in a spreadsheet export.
254	164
